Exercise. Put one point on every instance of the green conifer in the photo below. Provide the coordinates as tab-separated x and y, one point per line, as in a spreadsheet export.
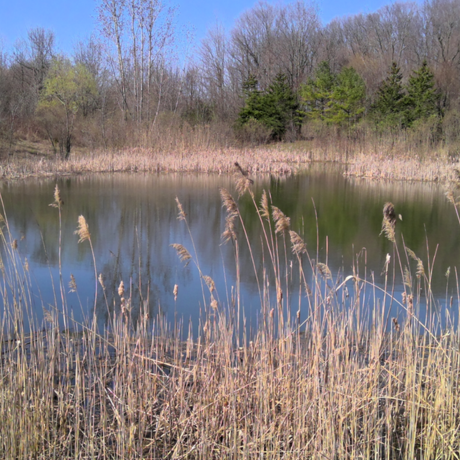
317	93
347	102
389	105
276	108
422	100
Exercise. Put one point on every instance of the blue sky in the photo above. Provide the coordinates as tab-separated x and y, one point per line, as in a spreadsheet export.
74	20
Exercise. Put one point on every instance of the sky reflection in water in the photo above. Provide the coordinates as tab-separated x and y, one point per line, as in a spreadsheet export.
133	222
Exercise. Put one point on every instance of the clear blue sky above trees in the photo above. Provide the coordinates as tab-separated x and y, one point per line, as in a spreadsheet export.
72	21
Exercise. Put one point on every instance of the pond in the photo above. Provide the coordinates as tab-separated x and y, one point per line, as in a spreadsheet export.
133	221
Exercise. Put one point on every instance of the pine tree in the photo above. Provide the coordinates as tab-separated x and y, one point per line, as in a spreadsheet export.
276	108
253	107
282	107
347	102
317	93
389	104
422	100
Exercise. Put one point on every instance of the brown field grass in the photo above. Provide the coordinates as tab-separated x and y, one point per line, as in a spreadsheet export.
373	161
346	383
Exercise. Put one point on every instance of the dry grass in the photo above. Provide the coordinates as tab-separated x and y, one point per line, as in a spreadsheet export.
258	161
279	159
345	383
381	167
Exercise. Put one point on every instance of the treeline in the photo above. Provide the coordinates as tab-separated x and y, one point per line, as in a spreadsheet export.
278	74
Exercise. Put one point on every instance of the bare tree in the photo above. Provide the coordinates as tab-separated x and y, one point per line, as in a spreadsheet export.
297	41
112	21
140	32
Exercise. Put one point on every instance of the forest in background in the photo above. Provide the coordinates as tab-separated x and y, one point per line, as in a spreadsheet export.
277	75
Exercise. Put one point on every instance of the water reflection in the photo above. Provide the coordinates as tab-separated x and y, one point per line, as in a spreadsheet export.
133	222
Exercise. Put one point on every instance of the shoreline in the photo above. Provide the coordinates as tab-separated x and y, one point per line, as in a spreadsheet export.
280	160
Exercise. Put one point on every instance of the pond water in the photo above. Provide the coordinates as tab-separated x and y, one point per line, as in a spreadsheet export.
133	223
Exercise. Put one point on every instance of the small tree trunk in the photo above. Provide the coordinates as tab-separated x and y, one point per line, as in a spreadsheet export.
68	146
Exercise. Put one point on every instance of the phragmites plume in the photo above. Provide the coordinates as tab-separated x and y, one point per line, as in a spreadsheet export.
82	230
420	271
181	215
279	295
324	271
282	222
183	254
121	289
389	222
244	183
231	207
298	245
229	203
72	284
264	208
175	291
57	198
210	283
407	278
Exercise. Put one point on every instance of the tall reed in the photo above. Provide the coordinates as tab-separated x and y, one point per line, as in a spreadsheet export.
338	380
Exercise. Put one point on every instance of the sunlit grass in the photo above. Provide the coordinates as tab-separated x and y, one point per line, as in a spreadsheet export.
347	382
278	159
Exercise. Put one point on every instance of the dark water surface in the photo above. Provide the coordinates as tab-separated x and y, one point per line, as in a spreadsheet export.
133	221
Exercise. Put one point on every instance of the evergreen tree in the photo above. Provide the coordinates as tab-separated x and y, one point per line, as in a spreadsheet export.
254	104
389	104
317	93
422	100
347	101
282	107
276	108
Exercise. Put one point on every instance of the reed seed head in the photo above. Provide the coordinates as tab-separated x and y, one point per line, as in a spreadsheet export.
72	284
57	198
175	291
229	203
121	289
279	295
181	215
324	271
82	230
389	222
183	254
298	245
264	207
210	283
282	222
243	184
232	213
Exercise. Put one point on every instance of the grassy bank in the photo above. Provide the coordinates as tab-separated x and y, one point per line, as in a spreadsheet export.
348	382
364	161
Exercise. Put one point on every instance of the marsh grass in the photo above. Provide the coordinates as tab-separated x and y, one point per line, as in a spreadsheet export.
344	383
376	160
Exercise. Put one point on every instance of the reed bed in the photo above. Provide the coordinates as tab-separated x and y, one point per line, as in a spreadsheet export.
280	159
220	161
381	167
347	382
